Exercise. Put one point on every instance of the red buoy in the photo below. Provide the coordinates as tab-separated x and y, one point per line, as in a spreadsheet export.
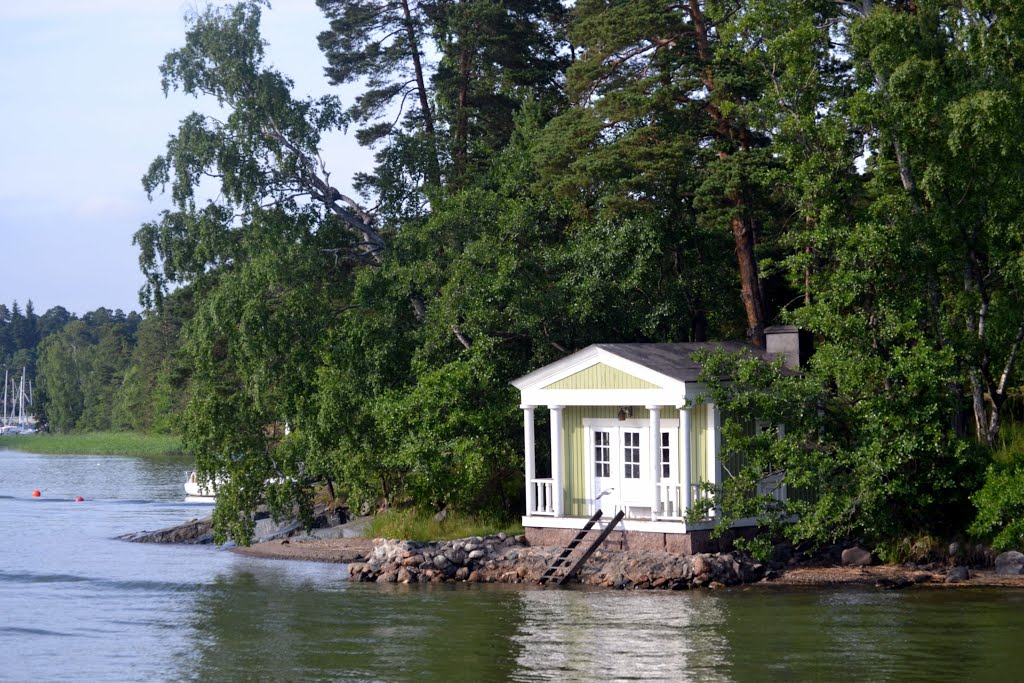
79	499
35	493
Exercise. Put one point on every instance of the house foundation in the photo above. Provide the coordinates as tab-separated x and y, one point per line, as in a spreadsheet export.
689	543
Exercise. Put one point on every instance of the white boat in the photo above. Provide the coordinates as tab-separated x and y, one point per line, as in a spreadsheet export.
13	420
197	492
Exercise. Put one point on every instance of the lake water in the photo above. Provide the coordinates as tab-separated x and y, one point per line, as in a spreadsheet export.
75	604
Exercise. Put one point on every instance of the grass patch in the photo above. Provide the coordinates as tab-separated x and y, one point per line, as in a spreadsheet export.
411	525
94	443
1010	445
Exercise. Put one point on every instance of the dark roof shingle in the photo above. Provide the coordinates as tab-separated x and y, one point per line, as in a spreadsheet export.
673	360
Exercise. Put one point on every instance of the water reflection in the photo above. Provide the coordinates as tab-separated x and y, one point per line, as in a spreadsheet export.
861	633
604	635
258	623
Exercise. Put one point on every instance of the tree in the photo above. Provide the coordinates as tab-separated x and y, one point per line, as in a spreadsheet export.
382	42
54	320
858	460
662	121
60	376
260	264
264	154
943	115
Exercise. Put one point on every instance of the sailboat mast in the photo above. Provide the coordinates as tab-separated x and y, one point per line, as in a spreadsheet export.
21	399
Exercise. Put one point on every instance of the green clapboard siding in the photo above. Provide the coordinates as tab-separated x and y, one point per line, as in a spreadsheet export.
601	376
576	456
575	463
699	444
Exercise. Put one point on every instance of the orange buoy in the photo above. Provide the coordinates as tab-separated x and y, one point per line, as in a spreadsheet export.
79	499
35	493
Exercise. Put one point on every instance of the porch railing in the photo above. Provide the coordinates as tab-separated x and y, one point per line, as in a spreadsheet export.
672	507
670	502
543	496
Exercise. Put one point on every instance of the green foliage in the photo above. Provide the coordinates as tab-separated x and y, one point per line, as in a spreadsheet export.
1011	444
419	526
760	547
920	549
1000	503
881	463
82	370
1000	500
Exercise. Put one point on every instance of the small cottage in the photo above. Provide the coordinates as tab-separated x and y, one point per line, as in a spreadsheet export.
629	433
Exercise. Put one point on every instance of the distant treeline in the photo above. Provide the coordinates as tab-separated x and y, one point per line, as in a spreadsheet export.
105	370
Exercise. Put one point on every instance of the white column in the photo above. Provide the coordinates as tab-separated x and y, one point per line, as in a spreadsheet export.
556	459
685	412
714	444
530	452
655	450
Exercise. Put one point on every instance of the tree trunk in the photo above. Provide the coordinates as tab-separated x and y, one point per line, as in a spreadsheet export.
978	405
742	223
421	88
750	280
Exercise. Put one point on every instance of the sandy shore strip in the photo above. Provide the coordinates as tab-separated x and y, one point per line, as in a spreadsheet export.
344	550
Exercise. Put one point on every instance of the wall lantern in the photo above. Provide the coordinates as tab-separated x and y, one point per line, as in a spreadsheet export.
624	413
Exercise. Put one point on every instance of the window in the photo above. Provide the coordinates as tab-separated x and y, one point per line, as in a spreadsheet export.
666	456
631	454
602	455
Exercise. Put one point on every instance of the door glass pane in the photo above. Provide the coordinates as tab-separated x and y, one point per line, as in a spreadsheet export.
631	455
602	455
666	457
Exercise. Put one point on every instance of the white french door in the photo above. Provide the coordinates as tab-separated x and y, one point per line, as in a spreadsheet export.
619	464
620	467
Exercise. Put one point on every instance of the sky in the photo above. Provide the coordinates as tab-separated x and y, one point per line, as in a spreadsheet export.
82	115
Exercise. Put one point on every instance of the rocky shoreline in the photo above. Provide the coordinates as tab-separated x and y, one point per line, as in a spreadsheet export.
510	559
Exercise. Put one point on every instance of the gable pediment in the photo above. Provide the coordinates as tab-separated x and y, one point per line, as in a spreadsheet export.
600	376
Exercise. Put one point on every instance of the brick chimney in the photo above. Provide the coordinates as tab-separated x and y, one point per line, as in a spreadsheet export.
794	345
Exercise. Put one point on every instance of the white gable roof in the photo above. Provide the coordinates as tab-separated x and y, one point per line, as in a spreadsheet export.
660	369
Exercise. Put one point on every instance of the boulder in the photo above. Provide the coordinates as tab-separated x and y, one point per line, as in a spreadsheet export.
856	557
958	575
199	531
700	565
1010	563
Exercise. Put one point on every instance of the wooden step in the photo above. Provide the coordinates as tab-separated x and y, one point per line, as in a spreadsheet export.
563	557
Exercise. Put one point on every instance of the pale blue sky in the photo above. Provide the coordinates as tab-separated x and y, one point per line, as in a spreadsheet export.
81	117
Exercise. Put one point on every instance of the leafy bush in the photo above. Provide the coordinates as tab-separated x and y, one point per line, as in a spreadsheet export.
1000	503
1000	500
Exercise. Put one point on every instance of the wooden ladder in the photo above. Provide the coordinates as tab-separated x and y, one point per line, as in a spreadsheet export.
562	559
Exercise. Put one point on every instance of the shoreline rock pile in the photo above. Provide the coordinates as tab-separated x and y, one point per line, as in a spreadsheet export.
507	559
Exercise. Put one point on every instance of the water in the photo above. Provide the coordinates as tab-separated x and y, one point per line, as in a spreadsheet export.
76	604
